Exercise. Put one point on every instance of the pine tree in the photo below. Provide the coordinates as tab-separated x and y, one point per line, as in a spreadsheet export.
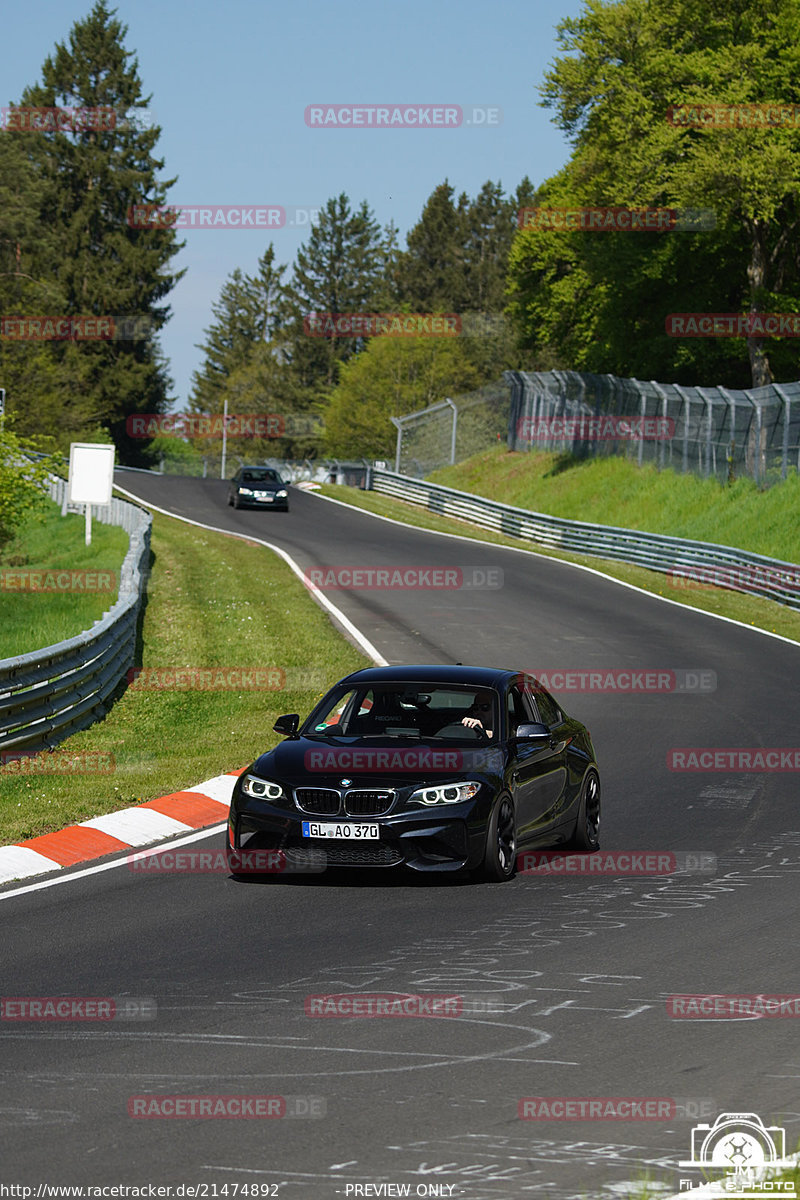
250	312
341	269
431	271
94	262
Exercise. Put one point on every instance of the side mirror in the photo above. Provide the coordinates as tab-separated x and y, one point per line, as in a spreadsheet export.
287	725
533	732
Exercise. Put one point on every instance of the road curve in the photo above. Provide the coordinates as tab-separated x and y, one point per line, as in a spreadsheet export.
578	969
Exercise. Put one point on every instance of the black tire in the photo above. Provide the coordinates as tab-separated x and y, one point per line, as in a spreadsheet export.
500	857
586	836
235	501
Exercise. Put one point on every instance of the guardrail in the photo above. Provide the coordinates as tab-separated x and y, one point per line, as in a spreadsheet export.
49	694
689	563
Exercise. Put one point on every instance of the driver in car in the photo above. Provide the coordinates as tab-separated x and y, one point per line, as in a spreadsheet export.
479	715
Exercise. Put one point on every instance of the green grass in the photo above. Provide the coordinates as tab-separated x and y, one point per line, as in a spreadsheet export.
213	602
615	491
32	620
750	610
222	602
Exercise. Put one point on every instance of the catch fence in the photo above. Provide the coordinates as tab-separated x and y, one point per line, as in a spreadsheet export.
709	431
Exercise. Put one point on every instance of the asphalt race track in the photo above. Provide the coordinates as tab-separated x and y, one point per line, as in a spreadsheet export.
573	972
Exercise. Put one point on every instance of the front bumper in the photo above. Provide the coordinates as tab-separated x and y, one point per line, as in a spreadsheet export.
446	838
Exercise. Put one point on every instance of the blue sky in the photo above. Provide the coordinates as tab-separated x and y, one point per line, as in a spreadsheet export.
230	84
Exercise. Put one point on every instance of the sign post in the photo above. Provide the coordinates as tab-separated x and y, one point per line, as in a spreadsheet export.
224	438
2	408
91	476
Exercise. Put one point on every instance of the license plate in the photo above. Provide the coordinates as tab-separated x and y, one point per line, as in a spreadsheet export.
348	831
263	495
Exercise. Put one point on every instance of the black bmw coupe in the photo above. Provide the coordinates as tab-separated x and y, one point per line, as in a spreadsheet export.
428	767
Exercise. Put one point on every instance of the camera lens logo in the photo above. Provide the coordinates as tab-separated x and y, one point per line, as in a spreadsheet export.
741	1145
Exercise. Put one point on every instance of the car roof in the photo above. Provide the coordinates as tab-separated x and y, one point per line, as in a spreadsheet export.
489	677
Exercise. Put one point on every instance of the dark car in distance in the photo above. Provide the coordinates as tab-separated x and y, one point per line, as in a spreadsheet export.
258	487
435	768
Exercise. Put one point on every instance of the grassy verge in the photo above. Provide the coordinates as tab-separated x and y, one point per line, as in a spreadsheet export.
55	550
214	602
615	491
751	610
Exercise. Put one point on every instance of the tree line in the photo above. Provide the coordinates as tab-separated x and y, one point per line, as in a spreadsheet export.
529	293
275	339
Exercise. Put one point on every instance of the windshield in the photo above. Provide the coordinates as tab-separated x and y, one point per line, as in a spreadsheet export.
264	475
426	712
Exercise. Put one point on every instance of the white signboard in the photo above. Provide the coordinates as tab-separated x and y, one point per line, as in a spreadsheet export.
91	472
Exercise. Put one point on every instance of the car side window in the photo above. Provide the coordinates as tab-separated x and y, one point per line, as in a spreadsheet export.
549	712
517	712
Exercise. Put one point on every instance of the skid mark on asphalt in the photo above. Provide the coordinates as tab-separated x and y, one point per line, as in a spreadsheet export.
731	795
26	1117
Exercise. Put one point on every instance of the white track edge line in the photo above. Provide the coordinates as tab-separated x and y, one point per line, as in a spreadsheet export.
462	537
118	862
362	640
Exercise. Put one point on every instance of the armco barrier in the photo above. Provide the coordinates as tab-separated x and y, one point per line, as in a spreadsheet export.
51	693
695	561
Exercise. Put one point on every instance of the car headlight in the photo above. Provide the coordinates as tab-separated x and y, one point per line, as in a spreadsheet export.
261	789
245	491
445	793
282	494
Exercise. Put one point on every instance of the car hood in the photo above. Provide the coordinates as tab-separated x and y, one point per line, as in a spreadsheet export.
316	762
